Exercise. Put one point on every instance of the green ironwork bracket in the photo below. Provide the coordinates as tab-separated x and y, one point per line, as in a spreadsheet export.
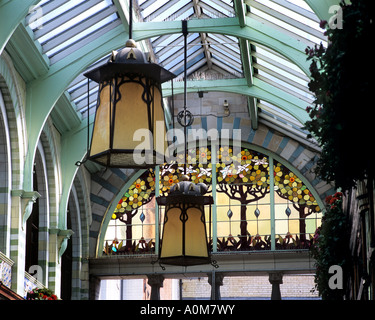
63	235
28	198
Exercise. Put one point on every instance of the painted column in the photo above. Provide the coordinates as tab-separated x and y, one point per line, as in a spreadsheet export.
276	278
94	289
216	281
22	204
155	281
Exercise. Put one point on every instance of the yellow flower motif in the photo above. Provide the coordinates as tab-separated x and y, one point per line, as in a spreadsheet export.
292	180
224	154
258	177
203	155
151	182
294	194
170	180
137	186
245	156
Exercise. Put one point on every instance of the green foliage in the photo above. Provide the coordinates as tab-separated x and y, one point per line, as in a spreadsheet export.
342	81
331	247
41	294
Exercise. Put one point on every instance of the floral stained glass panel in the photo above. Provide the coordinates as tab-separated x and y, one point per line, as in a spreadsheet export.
242	201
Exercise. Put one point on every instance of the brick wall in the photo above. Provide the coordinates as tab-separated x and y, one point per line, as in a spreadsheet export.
294	286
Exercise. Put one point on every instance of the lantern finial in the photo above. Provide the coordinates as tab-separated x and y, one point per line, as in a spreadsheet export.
131	44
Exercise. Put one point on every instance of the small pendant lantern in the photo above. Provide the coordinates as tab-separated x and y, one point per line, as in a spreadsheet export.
184	240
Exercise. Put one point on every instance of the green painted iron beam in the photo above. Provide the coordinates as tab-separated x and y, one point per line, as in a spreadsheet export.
259	89
43	93
26	54
239	7
321	7
254	31
73	149
247	62
11	15
253	111
123	12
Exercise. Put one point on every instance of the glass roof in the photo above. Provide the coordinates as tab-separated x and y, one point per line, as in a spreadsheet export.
68	25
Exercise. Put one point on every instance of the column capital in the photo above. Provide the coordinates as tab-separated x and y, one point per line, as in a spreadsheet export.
219	277
216	281
155	279
275	278
28	198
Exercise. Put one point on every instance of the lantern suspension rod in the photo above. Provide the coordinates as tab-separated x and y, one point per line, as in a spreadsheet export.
185	33
79	163
130	19
185	117
88	116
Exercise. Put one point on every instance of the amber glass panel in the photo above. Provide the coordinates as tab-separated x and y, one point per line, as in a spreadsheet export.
131	115
195	234
160	142
101	132
172	235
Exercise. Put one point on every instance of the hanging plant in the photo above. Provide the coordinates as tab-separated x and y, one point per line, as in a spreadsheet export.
331	247
41	294
342	81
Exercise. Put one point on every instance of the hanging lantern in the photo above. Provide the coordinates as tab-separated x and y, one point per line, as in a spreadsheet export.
184	240
129	99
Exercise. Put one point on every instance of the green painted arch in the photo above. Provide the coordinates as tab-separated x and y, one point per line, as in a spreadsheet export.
16	116
11	15
111	209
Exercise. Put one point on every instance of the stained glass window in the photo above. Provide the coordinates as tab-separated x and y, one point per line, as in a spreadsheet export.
297	213
133	227
245	206
244	210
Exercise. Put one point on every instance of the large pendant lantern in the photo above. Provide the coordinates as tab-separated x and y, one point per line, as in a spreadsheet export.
129	128
184	240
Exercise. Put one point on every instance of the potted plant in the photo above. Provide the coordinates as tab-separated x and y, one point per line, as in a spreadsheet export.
41	294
